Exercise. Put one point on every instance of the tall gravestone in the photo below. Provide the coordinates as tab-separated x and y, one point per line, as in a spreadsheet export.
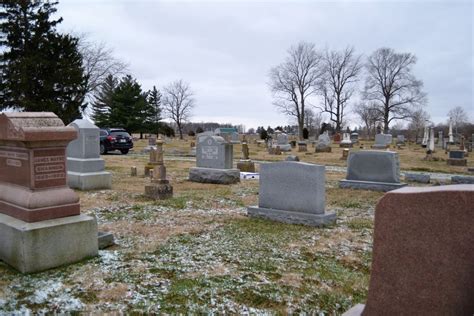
292	192
423	258
373	170
214	162
346	141
85	168
324	143
159	188
40	222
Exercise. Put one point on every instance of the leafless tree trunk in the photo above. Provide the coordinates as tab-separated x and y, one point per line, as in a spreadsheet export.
391	84
98	62
312	121
293	81
369	115
341	71
178	103
418	121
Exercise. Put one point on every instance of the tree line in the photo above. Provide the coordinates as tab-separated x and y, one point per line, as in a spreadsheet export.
44	70
391	91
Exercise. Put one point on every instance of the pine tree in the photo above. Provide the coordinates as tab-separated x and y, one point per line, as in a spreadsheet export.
101	107
41	70
154	100
130	107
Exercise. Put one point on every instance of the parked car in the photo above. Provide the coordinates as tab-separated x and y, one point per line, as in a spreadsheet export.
115	139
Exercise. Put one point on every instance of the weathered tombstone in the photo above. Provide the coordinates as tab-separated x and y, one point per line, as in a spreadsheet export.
133	171
400	139
424	142
245	164
292	158
422	258
85	168
382	141
282	141
373	170
159	188
462	179
431	142
337	138
292	192
302	147
151	144
214	162
324	143
456	158
154	157
440	139
345	154
355	138
418	177
346	141
40	222
450	133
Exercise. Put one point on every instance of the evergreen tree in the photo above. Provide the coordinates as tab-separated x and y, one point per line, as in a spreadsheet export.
130	107
41	70
154	100
101	107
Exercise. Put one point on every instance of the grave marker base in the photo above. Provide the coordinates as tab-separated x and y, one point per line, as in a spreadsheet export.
292	217
210	175
370	185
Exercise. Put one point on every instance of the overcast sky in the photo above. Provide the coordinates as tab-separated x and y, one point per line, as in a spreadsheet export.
225	49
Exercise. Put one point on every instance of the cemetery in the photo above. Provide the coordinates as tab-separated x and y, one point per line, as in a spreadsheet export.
181	245
151	164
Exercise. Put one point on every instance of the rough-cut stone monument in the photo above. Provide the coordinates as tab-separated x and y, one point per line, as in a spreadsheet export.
245	164
40	222
85	168
372	170
214	160
423	255
292	192
159	188
324	143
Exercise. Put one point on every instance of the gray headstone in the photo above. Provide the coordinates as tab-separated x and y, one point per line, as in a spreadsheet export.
214	152
85	168
292	186
292	192
87	143
456	154
376	166
282	139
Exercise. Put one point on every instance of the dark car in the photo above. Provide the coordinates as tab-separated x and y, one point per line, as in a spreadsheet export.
115	139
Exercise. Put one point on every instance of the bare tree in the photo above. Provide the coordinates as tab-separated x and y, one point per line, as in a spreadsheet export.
178	103
341	71
392	86
369	114
458	116
419	119
98	62
296	79
312	121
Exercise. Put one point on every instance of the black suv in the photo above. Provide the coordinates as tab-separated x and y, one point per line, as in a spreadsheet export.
115	139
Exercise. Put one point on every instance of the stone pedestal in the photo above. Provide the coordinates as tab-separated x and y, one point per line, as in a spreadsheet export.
246	165
85	168
40	225
211	175
159	190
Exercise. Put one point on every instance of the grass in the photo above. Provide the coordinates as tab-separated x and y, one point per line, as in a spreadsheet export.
197	253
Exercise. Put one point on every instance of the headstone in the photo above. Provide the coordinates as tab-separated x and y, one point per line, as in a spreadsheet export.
462	179
214	162
355	138
85	168
151	144
245	164
423	253
400	139
417	177
133	171
461	144
424	142
450	133
373	170
337	138
282	142
302	147
154	158
292	192
439	143
324	143
292	158
159	188
345	154
40	222
382	141
456	158
346	141
431	142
